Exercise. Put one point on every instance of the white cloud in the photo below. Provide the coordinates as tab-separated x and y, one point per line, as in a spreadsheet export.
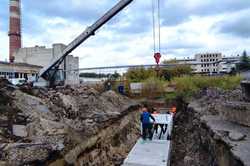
118	43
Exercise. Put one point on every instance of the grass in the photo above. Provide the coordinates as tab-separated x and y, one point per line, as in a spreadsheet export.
186	86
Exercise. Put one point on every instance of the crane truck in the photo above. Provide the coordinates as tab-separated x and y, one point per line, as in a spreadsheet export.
51	74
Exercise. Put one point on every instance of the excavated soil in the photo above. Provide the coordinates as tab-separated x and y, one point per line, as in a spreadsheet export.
204	134
65	126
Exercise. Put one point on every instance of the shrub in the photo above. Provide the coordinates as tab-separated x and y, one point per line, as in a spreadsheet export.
153	87
188	85
140	74
177	71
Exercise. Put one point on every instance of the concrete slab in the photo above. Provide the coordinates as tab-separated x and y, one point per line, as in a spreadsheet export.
149	153
20	130
240	148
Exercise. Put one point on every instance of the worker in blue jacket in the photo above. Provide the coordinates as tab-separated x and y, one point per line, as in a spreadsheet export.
147	125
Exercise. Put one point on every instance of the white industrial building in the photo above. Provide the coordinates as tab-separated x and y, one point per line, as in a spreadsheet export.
42	56
25	62
207	63
18	70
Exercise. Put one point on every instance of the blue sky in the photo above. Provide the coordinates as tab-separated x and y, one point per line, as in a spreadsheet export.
188	27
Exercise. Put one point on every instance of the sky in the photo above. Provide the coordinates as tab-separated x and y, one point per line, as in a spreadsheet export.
187	27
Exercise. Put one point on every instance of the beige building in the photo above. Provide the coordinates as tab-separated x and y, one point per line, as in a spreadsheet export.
42	56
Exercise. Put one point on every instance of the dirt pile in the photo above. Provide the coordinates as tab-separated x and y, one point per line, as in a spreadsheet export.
63	124
187	148
212	130
8	113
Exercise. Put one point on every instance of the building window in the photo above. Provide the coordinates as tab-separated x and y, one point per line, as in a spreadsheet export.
201	70
25	75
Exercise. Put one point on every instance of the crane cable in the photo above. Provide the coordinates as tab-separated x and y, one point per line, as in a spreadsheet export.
159	25
153	19
155	26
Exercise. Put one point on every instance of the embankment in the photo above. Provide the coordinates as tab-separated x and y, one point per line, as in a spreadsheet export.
203	136
67	126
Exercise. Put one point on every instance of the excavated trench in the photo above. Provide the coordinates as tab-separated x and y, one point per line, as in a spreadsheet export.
195	144
79	126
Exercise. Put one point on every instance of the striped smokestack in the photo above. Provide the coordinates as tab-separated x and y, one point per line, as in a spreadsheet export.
14	28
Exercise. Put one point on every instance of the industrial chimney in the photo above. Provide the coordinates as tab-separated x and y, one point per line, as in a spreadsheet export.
14	28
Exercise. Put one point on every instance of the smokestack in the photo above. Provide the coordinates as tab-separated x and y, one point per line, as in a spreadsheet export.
14	28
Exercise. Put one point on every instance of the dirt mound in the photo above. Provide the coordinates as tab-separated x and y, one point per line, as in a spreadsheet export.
55	123
3	82
205	127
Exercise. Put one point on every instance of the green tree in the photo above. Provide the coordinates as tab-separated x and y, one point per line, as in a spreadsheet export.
171	61
115	76
244	62
140	74
177	71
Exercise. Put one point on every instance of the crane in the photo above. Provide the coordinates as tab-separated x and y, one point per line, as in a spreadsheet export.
50	72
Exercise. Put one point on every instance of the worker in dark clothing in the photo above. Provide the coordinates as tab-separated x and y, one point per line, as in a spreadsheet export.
146	124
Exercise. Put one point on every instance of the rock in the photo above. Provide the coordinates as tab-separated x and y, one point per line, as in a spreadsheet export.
19	130
236	136
21	154
2	131
60	162
216	137
32	106
58	120
3	163
42	127
188	161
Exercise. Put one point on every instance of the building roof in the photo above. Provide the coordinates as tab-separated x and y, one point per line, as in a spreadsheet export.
20	64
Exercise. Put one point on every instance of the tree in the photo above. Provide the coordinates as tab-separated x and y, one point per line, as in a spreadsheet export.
115	76
171	61
140	74
177	71
244	62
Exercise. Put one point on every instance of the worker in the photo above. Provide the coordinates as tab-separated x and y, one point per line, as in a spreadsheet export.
173	110
146	123
155	112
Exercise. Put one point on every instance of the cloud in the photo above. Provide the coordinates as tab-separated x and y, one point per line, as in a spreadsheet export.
237	25
188	27
179	11
74	9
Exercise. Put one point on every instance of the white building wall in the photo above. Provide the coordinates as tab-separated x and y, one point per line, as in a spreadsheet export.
14	70
209	62
42	56
34	55
71	72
